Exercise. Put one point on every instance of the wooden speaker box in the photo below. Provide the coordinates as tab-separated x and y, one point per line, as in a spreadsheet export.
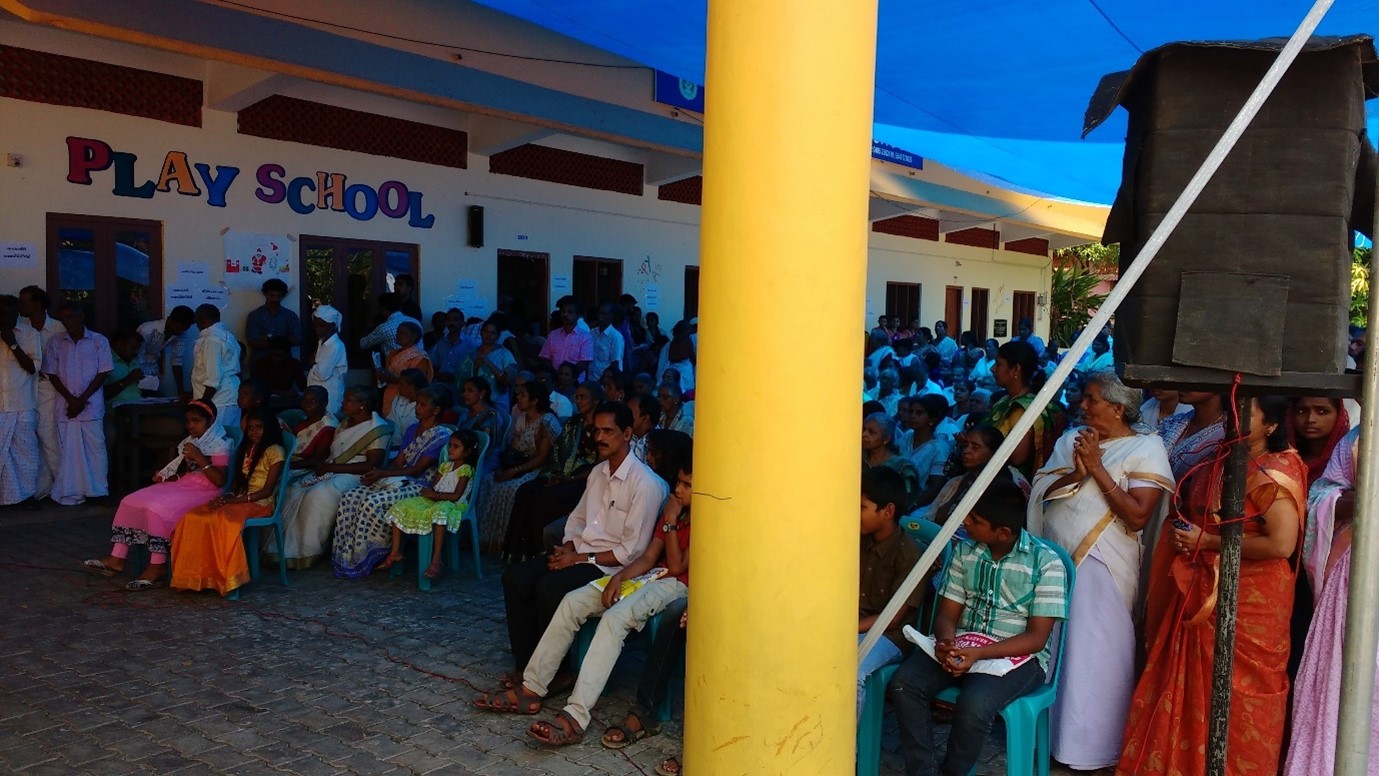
1256	278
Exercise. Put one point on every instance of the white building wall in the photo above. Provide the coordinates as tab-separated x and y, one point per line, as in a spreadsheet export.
654	239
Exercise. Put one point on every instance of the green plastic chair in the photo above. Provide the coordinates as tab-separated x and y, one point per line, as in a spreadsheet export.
1026	718
253	524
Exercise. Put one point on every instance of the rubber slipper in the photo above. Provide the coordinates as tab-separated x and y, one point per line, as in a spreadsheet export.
140	585
94	566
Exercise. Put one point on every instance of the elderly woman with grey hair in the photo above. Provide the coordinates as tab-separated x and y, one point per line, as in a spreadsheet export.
879	448
1101	485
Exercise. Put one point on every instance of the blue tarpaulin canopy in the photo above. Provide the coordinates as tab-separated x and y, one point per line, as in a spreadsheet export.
996	87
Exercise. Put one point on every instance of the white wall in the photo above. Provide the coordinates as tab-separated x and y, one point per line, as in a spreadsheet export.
520	214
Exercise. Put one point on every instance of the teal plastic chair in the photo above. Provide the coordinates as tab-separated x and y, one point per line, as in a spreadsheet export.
275	520
1026	718
426	541
292	418
471	518
585	638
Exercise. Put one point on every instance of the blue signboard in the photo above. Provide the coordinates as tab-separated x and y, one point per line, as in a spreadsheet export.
889	153
676	91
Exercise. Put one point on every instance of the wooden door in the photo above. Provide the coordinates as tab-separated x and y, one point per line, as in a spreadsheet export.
952	310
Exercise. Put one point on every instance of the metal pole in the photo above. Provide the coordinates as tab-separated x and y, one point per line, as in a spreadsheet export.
1228	586
1362	605
1113	300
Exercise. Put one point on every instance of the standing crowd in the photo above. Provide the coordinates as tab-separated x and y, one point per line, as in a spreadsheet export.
571	456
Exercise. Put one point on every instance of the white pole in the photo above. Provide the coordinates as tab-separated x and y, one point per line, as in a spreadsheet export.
1362	616
1127	281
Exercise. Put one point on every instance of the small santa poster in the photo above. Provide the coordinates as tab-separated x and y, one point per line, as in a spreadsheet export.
252	258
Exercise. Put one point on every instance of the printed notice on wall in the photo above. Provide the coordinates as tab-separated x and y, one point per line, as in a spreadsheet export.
193	274
252	258
220	297
181	296
18	255
651	298
560	286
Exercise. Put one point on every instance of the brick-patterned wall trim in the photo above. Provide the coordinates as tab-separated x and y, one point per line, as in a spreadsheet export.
689	191
918	227
314	123
1036	246
975	237
555	165
54	79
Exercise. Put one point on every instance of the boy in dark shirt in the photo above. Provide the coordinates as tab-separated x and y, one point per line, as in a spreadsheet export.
888	555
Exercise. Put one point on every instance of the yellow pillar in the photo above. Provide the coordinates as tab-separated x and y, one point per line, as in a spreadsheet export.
772	646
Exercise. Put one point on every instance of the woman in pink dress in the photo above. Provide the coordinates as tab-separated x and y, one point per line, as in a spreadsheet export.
148	516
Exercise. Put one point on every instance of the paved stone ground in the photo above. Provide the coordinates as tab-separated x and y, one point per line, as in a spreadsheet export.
307	679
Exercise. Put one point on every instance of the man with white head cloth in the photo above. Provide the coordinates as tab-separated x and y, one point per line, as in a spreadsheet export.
331	363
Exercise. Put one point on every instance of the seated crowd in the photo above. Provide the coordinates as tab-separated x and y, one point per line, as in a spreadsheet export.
576	465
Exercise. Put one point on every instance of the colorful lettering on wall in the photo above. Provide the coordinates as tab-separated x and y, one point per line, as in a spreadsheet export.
326	191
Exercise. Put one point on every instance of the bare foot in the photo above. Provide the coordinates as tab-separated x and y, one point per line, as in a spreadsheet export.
389	561
154	572
113	563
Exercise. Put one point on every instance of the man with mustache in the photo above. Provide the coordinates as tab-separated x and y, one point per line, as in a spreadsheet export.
609	528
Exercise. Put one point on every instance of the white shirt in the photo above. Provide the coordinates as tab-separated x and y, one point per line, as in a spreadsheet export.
617	511
608	347
51	328
77	363
17	385
328	371
562	406
216	366
150	358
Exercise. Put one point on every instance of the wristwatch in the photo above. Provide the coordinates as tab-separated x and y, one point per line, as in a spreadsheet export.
668	527
593	559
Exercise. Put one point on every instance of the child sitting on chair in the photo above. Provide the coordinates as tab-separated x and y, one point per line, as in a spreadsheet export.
440	507
1002	584
888	555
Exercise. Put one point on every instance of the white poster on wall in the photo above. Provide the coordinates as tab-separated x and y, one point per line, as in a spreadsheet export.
177	296
18	255
651	298
216	295
560	286
251	258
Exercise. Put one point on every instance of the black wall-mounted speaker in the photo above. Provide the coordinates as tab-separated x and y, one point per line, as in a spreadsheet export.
476	226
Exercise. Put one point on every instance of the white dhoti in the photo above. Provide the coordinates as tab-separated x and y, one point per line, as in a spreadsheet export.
20	460
83	466
309	510
1098	676
50	456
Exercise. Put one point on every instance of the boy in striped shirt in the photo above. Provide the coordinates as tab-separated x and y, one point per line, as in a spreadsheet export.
1003	584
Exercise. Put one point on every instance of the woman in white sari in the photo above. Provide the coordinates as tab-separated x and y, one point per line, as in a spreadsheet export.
311	503
1101	485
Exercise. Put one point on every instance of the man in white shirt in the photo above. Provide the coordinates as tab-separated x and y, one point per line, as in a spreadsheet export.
77	363
33	310
947	348
610	527
215	367
384	335
165	336
20	360
608	344
331	362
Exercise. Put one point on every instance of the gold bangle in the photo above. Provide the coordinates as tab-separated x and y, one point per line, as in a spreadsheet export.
1112	490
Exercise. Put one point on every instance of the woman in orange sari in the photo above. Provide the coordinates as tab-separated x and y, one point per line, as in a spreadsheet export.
407	356
208	548
1167	730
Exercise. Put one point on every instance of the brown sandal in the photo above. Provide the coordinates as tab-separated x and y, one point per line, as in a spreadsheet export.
626	735
562	731
516	701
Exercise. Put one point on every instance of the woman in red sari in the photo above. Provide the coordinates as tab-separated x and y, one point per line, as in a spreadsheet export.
1167	730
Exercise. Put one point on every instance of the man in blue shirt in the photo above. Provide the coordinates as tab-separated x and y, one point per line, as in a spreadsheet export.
271	320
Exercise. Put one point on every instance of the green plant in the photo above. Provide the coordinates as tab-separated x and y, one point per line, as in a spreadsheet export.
1359	286
1072	300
